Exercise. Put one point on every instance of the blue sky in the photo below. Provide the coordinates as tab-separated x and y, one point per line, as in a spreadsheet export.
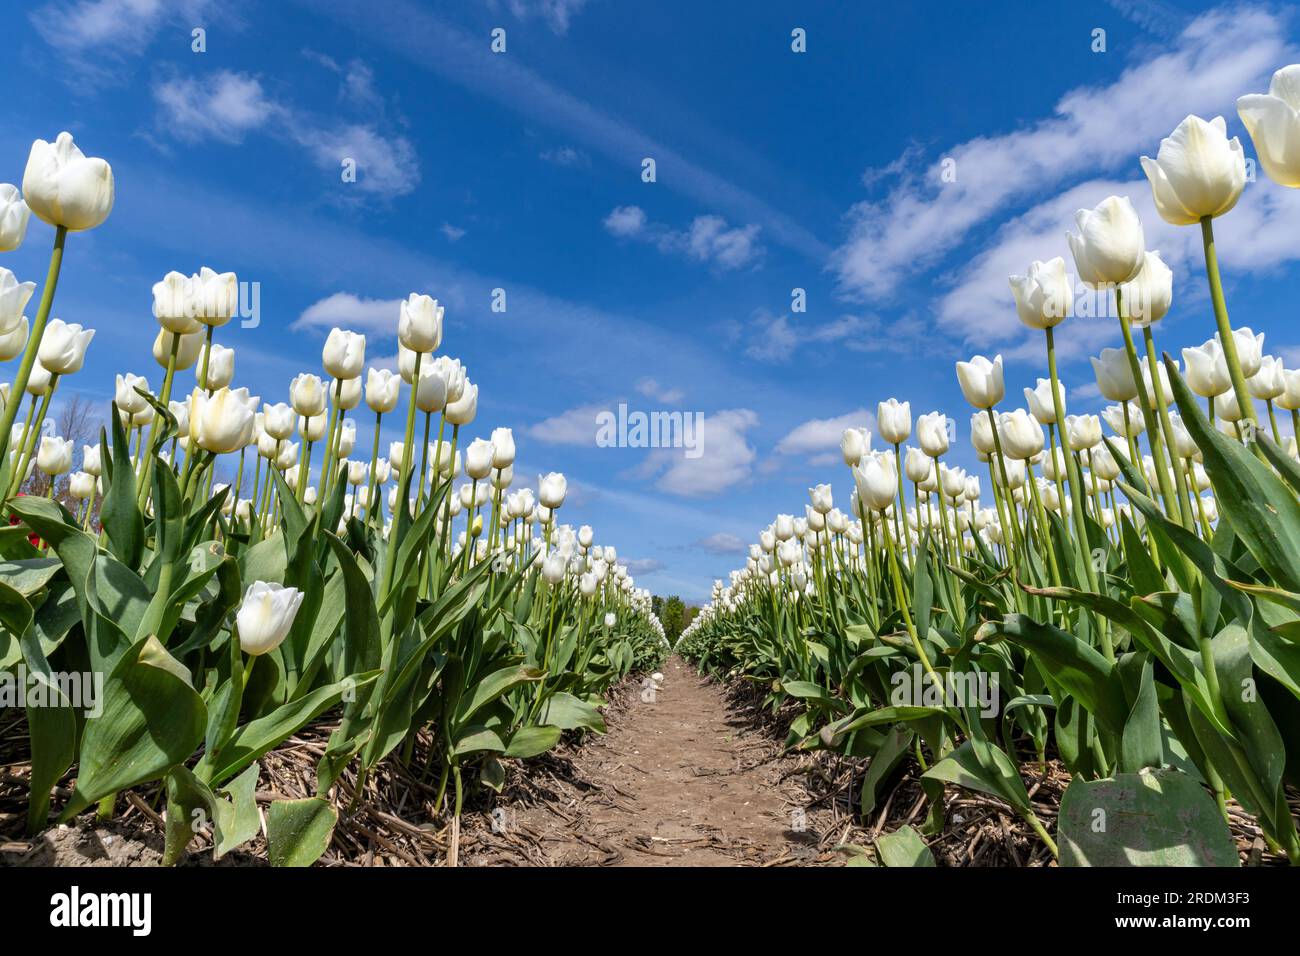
775	170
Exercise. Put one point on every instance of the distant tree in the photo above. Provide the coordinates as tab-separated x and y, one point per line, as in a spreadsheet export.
672	617
657	606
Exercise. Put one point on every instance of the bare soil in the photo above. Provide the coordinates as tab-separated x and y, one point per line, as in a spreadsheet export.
683	778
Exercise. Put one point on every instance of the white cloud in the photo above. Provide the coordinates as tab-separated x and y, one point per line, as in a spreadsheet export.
557	14
723	543
651	388
1216	58
115	27
348	311
453	233
776	338
727	457
640	566
820	435
226	105
708	239
576	426
625	221
223	106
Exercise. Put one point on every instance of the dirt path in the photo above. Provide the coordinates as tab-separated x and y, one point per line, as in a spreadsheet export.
679	780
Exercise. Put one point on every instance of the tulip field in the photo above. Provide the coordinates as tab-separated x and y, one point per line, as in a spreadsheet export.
451	627
1130	595
1093	636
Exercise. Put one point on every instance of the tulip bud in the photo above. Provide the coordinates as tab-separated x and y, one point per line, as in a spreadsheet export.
346	392
462	410
553	569
551	490
312	429
503	448
221	367
90	462
346	439
382	388
125	395
1115	375
932	428
478	459
278	420
1022	436
876	481
187	349
822	500
223	421
894	421
431	392
307	395
266	616
14	341
1147	296
610	619
81	485
1109	245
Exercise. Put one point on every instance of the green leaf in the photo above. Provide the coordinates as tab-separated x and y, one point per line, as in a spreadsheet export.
118	514
569	713
903	847
299	831
531	741
1152	818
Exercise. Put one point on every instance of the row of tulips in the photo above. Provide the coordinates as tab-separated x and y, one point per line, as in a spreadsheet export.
447	626
1132	598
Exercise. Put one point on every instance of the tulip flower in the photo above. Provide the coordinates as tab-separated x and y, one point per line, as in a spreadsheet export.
344	354
419	326
1044	297
1207	370
1197	173
1082	431
266	616
1250	350
1268	383
822	499
126	397
90	462
346	392
65	188
1039	400
876	482
981	381
853	445
1021	434
223	421
1109	245
219	370
478	459
1114	374
431	391
14	215
981	433
1273	121
55	455
187	349
38	383
175	304
453	374
14	341
463	410
1148	295
312	429
894	422
81	485
503	448
382	390
215	297
551	490
918	465
13	299
932	430
63	348
307	395
278	420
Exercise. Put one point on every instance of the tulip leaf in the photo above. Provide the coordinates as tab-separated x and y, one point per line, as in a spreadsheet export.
1151	818
299	831
569	713
531	741
118	514
903	847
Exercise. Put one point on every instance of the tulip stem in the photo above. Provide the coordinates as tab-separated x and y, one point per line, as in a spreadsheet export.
24	375
1144	404
33	440
374	461
145	475
1076	493
1226	339
1166	425
336	414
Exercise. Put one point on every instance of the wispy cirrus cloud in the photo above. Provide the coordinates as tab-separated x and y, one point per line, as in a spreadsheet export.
1101	128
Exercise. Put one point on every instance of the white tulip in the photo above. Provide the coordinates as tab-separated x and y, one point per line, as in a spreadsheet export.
503	448
187	349
1250	350
14	341
81	485
346	393
1044	297
478	459
14	215
125	395
347	438
932	431
981	381
1268	383
894	422
90	462
14	296
431	392
551	490
175	304
266	616
1148	295
1115	375
216	296
821	497
918	466
1082	431
1273	121
1109	245
853	445
1197	172
307	395
54	456
876	481
223	421
312	429
463	410
419	326
221	367
63	346
278	420
1039	400
1207	369
64	187
344	353
1021	434
382	389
